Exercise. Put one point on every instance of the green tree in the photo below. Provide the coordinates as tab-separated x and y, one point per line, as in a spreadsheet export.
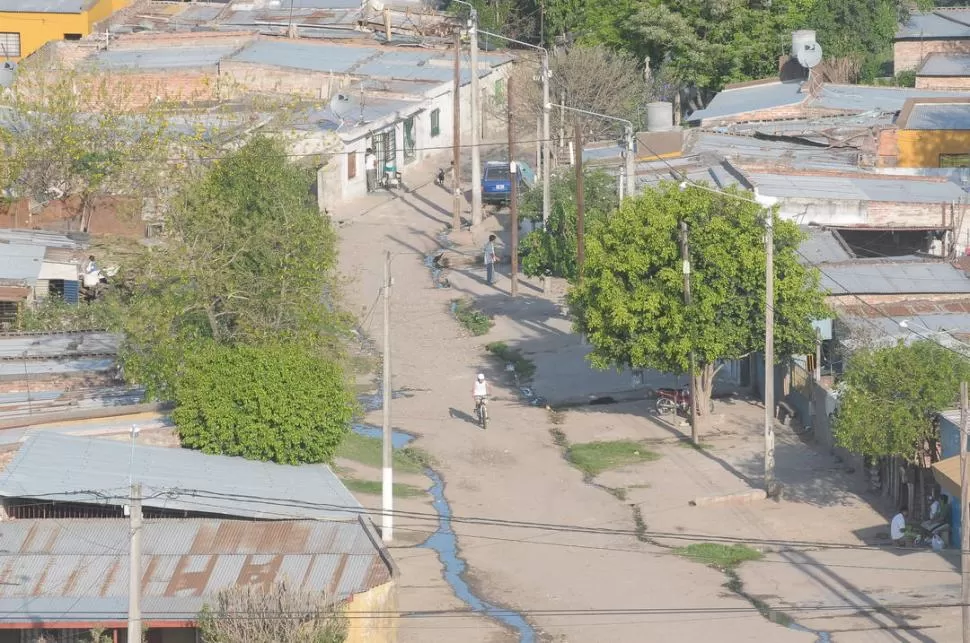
275	401
889	395
552	251
630	302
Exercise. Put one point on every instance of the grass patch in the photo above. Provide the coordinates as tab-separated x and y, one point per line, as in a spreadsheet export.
719	556
556	417
367	451
559	438
475	321
593	458
374	487
525	368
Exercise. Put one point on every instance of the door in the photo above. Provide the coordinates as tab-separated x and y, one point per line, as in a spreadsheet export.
385	148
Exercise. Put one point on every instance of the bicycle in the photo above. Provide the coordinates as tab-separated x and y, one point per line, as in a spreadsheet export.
481	408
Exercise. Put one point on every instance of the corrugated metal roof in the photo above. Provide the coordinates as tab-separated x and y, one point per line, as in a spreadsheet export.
945	65
44	6
895	189
40	238
864	98
823	246
336	58
17	369
373	109
886	331
53	466
860	277
936	24
161	58
791	153
77	570
20	262
748	99
58	345
939	116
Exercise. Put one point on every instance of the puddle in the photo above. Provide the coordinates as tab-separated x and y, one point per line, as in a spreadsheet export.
375	401
399	439
445	544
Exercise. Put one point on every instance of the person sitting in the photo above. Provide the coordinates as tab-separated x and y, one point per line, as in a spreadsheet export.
897	528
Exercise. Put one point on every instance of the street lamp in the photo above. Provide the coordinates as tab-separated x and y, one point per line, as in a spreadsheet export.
768	202
546	107
627	136
473	121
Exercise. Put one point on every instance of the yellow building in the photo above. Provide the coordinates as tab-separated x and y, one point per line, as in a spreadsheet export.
928	133
27	25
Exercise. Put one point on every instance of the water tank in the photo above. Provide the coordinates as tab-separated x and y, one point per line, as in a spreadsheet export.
801	38
660	116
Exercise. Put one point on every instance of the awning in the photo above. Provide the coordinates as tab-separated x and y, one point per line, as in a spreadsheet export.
947	474
57	270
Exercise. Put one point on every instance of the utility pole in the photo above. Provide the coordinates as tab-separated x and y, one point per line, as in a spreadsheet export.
456	139
514	205
631	162
769	352
546	144
387	487
964	516
685	256
134	565
476	133
580	204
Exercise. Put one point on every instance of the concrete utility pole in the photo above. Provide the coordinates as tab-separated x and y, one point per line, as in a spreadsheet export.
544	144
514	204
456	139
387	486
685	256
134	565
475	115
964	516
580	204
769	353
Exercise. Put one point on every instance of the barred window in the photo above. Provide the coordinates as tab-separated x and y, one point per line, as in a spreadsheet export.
9	44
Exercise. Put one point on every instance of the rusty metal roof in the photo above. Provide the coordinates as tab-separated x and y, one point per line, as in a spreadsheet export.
89	470
77	570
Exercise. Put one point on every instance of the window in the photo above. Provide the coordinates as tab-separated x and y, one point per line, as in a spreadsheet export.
8	312
954	160
351	165
9	44
435	122
72	36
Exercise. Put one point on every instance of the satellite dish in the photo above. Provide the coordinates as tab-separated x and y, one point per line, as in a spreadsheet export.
7	71
809	54
349	109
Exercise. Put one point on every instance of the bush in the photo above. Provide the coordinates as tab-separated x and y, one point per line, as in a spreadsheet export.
475	321
277	402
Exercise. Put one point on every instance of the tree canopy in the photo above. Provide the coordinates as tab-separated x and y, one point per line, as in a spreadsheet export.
630	302
889	395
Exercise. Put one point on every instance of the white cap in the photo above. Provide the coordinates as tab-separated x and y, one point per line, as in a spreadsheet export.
481	377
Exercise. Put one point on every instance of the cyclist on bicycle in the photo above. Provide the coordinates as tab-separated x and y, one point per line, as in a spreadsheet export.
480	391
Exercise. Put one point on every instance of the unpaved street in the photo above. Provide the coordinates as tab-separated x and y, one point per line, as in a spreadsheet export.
582	586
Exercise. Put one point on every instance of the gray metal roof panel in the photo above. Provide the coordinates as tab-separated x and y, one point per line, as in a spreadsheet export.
73	570
862	188
894	278
21	262
935	24
54	466
162	57
939	116
313	57
823	246
44	6
866	98
730	102
58	345
945	65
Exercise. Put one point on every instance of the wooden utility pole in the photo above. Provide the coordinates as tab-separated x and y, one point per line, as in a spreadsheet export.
387	486
964	516
456	139
580	203
134	564
685	256
476	114
514	204
769	352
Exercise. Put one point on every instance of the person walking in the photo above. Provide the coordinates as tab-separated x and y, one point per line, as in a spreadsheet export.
490	257
370	166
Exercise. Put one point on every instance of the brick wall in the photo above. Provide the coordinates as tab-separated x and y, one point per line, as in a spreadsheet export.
909	54
946	83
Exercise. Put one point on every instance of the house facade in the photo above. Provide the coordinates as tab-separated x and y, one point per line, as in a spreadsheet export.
28	25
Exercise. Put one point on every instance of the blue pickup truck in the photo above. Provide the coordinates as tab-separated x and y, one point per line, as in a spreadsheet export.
497	181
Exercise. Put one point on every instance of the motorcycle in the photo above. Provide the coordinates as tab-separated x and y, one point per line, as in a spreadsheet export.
673	400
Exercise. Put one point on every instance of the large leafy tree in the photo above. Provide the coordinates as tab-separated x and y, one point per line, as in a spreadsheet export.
272	401
630	301
552	251
889	395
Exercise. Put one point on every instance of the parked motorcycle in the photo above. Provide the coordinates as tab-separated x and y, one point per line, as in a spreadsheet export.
673	400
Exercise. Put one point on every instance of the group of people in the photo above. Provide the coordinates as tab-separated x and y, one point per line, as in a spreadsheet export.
902	534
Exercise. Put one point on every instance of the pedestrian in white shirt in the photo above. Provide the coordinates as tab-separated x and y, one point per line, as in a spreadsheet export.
370	166
897	528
